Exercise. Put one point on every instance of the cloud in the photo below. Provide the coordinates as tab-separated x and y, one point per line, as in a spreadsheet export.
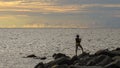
6	20
43	7
117	16
59	13
105	5
48	6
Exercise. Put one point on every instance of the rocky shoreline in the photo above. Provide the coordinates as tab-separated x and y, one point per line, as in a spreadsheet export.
101	59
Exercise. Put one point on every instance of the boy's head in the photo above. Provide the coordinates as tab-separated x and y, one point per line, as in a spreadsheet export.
77	36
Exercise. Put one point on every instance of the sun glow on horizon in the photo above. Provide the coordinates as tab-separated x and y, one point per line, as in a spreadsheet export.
23	21
40	26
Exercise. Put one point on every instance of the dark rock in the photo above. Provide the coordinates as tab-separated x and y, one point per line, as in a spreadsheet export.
40	65
117	49
43	58
31	56
35	57
74	58
114	64
84	60
101	52
77	64
116	58
83	55
105	61
60	66
59	61
59	55
102	58
109	53
115	53
85	67
98	60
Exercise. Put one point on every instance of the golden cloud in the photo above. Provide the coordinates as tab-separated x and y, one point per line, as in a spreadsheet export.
12	20
47	6
11	3
37	7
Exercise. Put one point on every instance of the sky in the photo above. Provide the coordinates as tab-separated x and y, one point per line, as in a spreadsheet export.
59	13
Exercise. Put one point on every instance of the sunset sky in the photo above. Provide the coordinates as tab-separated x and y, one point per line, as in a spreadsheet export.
59	13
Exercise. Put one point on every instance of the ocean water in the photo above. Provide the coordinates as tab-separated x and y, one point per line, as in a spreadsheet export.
17	43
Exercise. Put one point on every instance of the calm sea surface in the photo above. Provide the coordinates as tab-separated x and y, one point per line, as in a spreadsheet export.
17	43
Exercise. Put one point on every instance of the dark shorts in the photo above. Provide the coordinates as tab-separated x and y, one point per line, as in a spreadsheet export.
77	44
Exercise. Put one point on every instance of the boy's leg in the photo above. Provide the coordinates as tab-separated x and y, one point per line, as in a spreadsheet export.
76	50
81	48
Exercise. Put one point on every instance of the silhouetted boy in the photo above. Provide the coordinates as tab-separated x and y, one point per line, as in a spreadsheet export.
78	41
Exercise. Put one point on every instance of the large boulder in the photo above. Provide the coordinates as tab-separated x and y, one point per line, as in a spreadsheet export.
59	61
98	60
108	53
81	59
105	61
73	59
84	60
60	66
83	55
100	52
117	49
40	65
85	67
114	64
116	58
59	55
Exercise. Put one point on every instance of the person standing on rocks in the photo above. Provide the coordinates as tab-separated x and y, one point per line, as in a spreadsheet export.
78	41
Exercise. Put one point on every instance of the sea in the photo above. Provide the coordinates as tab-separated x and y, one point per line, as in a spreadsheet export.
17	43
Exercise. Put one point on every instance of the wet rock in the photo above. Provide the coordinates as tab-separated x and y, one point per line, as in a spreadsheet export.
40	65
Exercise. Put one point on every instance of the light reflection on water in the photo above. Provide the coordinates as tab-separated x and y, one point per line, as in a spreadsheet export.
16	43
